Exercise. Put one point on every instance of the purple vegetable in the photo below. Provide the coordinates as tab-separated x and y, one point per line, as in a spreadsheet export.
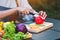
21	28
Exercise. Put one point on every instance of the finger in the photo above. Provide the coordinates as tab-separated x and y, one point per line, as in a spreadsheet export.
41	13
45	15
23	12
27	12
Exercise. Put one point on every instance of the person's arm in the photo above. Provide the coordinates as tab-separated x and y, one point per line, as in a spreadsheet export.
7	12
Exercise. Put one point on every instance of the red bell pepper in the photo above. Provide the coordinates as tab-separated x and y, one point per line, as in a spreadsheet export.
39	20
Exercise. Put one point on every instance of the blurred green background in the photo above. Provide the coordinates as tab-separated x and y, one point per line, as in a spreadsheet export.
52	7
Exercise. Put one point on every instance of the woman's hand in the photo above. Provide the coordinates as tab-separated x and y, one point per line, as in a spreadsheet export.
23	10
43	14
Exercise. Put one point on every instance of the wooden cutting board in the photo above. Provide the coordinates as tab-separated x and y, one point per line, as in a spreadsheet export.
42	27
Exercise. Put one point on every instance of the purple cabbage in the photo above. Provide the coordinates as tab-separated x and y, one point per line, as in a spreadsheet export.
21	28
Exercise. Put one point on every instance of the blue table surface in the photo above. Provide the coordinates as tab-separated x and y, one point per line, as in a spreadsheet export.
50	34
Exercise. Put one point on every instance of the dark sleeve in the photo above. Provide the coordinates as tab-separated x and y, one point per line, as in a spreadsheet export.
2	9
